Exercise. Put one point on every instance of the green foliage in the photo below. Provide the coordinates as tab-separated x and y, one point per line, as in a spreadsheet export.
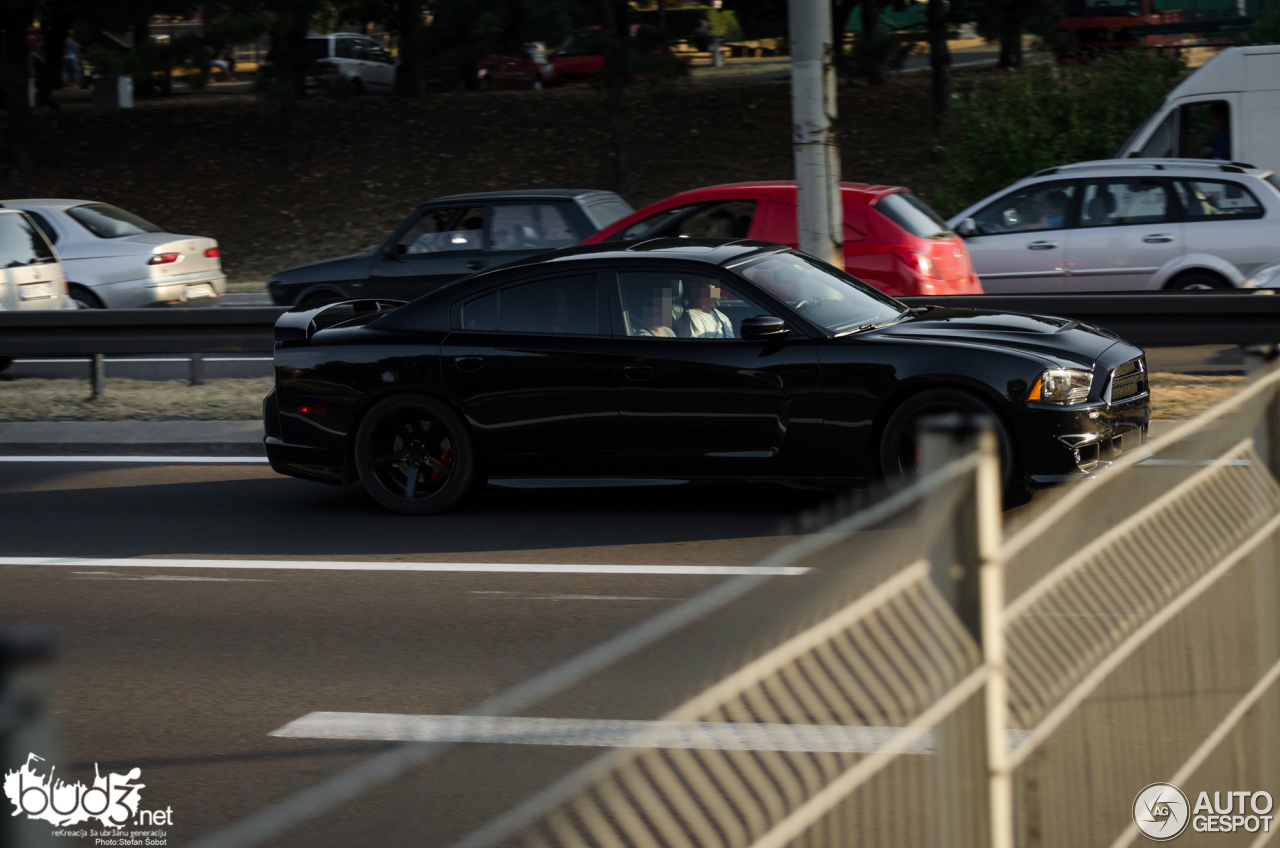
874	56
683	20
1266	29
107	62
1043	116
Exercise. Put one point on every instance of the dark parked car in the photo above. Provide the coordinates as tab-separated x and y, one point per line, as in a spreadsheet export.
679	358
449	238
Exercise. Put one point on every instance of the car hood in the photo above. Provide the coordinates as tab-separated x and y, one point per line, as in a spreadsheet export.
325	270
1055	339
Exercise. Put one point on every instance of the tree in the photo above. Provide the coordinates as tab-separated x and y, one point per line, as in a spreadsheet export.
410	37
939	59
617	73
16	16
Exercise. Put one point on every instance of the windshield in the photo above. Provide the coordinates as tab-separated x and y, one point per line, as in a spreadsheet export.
21	243
913	215
107	221
821	293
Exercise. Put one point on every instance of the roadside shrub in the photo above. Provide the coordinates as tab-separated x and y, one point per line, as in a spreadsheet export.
1266	29
1046	115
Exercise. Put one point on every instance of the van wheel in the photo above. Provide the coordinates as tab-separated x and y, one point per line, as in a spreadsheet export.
1199	281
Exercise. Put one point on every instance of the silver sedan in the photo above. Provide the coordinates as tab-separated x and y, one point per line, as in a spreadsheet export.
114	259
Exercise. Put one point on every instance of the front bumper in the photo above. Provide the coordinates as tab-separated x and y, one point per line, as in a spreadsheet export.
1060	444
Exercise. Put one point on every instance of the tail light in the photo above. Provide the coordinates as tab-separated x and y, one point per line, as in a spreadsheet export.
919	263
212	253
163	259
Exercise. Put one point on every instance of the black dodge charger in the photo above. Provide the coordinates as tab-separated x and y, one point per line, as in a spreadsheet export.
679	359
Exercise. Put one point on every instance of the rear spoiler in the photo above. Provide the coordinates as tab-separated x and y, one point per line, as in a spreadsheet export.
299	325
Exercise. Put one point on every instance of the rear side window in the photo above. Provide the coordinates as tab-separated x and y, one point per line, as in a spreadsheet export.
43	225
913	215
21	243
107	221
1114	204
1213	200
342	49
567	305
539	226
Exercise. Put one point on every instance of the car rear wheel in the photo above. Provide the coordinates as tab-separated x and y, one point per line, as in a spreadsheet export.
414	455
85	299
1198	282
900	446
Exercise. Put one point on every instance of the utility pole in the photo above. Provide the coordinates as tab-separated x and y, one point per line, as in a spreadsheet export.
819	214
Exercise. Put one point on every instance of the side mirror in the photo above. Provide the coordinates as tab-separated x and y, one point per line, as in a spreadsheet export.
763	327
967	227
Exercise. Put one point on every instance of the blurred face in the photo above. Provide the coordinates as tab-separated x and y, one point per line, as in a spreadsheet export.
705	297
657	309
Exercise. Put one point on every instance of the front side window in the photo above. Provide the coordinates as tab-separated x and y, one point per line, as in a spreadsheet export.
342	49
1206	130
913	215
107	221
540	226
1112	204
1214	200
360	48
731	219
21	243
1037	207
443	231
675	305
606	210
564	305
821	293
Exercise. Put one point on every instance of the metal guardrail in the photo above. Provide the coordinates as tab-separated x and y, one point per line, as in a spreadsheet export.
138	331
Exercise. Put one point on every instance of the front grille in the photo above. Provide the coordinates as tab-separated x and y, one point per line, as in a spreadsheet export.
1129	440
1128	381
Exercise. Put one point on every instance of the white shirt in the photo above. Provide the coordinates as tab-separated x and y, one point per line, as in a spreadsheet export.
696	324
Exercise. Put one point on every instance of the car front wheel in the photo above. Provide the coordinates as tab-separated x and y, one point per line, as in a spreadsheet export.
414	455
900	443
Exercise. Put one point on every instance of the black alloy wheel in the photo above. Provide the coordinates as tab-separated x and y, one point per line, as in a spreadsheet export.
900	447
414	455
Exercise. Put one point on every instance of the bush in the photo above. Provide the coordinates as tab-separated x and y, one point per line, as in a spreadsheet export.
1043	116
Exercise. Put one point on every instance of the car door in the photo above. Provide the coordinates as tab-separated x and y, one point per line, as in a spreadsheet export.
1128	230
432	248
1022	239
694	398
1224	218
530	365
378	67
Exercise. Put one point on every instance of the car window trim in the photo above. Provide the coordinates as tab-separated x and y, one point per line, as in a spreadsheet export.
602	312
1071	219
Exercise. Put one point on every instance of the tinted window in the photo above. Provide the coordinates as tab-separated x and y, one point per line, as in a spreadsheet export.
106	221
1038	207
443	230
652	225
605	211
539	226
360	48
821	293
562	305
670	304
1117	203
1211	200
21	243
728	219
481	314
342	49
913	215
1206	130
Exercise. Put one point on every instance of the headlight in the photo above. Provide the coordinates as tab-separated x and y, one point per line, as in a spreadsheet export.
1062	385
1265	277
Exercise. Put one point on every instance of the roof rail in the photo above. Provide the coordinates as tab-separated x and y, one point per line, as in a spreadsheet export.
1046	172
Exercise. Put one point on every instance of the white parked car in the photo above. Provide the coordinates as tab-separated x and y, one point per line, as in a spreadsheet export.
115	260
30	274
1125	225
357	60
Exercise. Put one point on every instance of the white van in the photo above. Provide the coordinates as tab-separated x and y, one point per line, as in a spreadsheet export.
1228	109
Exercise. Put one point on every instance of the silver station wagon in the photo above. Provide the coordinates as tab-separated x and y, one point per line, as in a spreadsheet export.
1125	225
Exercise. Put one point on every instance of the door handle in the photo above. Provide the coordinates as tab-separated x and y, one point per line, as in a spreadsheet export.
475	264
1158	238
469	363
638	373
1042	245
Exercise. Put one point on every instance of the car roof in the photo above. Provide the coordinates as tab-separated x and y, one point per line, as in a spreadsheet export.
1191	166
705	250
785	189
46	202
522	194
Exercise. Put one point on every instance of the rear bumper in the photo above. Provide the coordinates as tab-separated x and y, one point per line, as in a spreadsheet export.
181	291
308	463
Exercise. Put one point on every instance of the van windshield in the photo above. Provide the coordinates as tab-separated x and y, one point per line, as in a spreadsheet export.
21	243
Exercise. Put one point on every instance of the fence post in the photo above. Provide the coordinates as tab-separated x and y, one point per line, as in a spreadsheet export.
26	720
974	790
197	369
1261	361
97	375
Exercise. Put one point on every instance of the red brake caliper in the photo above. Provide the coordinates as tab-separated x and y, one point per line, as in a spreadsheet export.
447	459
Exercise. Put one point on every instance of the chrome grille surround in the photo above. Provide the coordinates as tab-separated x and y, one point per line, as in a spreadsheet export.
1128	382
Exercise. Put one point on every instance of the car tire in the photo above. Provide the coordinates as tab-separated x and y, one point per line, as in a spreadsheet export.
1198	281
415	455
84	298
899	449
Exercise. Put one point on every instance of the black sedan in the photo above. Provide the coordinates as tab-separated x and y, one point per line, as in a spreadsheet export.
449	238
679	359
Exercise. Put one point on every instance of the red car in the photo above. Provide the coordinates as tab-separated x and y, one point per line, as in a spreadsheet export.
892	239
577	60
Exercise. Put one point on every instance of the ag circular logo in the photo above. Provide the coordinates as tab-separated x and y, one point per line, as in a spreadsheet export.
1161	811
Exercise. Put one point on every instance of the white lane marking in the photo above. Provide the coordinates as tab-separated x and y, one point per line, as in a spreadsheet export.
172	460
1196	462
535	596
602	733
467	567
109	575
152	359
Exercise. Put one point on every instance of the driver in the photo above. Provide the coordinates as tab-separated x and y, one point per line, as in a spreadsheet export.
703	320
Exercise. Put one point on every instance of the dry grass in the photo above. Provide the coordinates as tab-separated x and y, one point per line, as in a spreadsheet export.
1173	396
138	400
